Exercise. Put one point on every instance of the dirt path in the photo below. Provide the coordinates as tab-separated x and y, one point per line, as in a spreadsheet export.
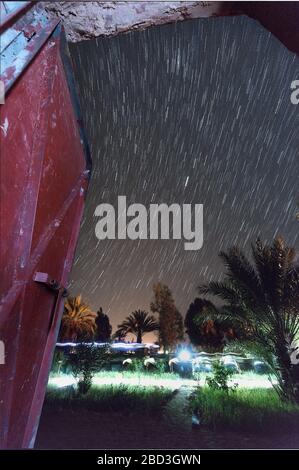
176	412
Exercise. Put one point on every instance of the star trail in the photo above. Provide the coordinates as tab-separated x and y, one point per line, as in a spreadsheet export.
192	113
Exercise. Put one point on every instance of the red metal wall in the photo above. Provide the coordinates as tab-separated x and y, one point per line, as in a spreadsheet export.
43	182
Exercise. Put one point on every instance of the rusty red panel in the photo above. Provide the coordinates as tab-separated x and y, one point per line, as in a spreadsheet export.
44	177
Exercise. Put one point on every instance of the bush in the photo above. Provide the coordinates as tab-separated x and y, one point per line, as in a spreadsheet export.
162	366
256	410
219	380
85	361
137	366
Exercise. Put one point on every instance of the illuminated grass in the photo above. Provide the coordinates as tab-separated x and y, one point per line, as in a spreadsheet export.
165	379
111	398
132	374
256	410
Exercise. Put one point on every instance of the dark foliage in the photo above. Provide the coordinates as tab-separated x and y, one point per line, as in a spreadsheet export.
263	298
103	327
210	335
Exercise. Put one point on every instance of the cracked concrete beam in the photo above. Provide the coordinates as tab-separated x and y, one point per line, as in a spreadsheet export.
87	20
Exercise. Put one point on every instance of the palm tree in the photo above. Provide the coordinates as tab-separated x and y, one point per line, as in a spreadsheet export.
138	323
119	336
210	335
78	321
263	299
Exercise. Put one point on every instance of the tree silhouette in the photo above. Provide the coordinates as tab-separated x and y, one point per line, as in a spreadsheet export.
104	329
170	321
78	321
263	298
179	326
210	335
138	323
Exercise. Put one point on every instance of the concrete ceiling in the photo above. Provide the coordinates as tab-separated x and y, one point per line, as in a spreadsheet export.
88	20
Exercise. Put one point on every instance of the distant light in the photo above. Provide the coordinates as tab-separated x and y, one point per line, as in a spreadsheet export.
74	345
132	346
127	346
184	355
119	345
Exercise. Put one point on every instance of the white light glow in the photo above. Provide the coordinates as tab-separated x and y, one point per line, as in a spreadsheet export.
125	346
184	355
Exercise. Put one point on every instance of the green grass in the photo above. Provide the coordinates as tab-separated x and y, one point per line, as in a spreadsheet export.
255	410
128	374
111	398
133	374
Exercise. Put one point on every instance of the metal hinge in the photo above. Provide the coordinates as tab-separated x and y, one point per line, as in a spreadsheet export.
44	278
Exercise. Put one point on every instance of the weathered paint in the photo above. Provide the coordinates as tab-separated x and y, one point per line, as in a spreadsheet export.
10	11
44	177
21	42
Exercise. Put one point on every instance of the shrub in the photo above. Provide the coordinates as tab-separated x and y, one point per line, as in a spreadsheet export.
137	366
254	410
219	380
162	366
85	361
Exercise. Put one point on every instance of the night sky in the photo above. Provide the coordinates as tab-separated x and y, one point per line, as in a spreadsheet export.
197	112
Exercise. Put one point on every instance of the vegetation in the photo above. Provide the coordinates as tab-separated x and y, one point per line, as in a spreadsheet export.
85	361
220	378
210	335
162	366
153	374
112	398
103	327
170	320
255	410
263	299
78	321
119	336
179	326
158	368
138	323
137	366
